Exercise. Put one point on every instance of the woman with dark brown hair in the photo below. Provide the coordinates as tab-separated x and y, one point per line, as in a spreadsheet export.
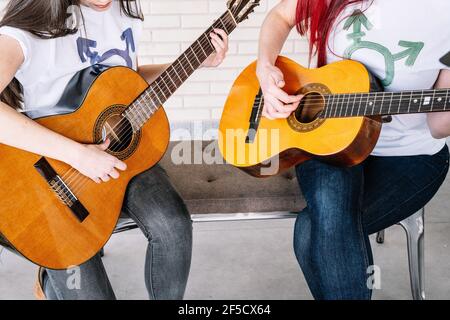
400	42
43	43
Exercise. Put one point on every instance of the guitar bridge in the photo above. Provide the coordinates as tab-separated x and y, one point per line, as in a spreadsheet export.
255	117
61	189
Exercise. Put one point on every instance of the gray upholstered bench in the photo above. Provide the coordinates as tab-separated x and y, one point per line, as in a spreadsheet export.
220	192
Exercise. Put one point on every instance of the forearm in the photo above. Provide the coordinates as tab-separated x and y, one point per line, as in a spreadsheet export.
151	71
274	32
23	133
17	130
439	123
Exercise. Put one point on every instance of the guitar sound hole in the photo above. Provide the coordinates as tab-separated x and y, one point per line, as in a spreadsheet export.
310	107
119	131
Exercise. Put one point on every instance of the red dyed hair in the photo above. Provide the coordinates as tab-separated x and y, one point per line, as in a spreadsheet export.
317	17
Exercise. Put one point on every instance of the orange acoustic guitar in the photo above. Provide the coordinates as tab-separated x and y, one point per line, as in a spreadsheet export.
58	218
338	121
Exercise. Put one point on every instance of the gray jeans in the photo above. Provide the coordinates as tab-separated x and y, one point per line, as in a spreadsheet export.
156	207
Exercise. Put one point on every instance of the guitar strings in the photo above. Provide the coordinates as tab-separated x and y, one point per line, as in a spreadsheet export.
333	103
342	97
193	53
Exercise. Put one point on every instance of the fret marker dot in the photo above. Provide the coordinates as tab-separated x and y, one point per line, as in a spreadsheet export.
439	99
370	103
415	100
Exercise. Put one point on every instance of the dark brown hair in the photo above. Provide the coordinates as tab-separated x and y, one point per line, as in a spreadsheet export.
46	19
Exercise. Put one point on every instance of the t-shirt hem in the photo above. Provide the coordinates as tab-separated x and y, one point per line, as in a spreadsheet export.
403	151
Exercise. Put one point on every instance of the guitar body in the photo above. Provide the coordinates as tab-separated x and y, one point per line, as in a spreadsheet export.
283	143
33	220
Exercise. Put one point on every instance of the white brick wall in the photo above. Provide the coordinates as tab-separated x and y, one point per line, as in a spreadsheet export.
171	25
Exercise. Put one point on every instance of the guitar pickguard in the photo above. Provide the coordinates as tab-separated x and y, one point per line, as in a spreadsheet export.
74	94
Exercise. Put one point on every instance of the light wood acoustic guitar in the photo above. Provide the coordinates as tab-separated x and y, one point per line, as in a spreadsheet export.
49	212
338	121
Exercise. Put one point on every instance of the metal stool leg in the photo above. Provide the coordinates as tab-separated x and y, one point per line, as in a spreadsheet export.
414	228
380	237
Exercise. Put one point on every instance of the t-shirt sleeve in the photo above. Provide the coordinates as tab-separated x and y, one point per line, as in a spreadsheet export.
138	27
23	38
445	60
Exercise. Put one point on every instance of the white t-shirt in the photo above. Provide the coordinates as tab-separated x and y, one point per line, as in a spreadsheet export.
111	39
401	42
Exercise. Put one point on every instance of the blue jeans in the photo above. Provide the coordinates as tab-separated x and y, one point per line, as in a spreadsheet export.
161	214
346	205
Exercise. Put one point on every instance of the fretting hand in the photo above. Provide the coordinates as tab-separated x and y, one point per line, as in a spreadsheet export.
219	40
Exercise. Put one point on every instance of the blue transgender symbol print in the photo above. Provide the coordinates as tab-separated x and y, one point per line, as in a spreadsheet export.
85	50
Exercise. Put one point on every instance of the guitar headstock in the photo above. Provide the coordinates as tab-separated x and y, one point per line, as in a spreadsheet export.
241	9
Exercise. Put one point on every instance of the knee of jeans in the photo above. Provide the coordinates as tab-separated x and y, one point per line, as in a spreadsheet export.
169	224
331	217
302	235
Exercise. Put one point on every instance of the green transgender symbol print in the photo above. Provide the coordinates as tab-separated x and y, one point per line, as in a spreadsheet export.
358	20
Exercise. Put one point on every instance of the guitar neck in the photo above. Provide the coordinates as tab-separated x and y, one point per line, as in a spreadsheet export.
386	103
140	111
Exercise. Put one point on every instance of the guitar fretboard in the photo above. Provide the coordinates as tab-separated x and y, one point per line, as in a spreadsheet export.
386	103
176	74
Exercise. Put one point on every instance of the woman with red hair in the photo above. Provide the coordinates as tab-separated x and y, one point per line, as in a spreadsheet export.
400	42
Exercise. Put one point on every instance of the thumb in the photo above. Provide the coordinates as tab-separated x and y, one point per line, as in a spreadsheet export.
281	83
105	145
278	78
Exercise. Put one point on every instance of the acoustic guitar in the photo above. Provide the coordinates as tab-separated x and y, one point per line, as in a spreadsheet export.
50	213
338	121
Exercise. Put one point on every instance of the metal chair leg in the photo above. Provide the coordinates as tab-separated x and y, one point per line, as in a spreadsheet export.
414	228
380	237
